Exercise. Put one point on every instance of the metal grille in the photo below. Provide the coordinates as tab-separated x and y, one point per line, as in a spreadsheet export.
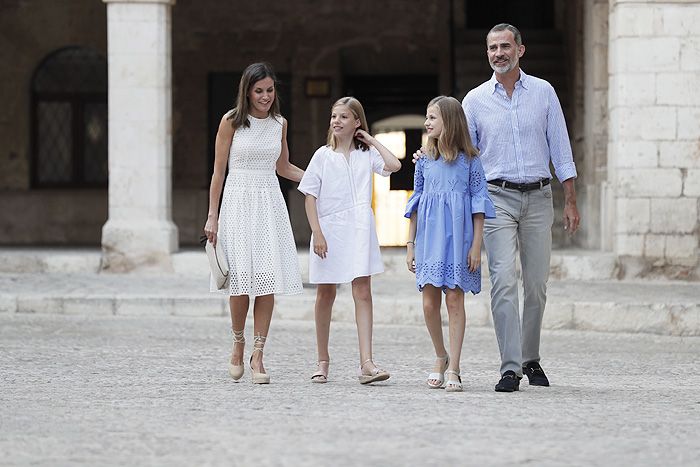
95	142
55	149
69	93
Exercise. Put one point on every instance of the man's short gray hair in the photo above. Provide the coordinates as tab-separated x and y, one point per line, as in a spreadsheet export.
508	27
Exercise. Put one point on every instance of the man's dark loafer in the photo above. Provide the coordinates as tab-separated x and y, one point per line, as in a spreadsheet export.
535	374
509	382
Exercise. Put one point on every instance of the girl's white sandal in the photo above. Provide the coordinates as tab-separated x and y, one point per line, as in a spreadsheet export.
439	377
452	385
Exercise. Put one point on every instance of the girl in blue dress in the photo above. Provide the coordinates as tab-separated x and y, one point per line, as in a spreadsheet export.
447	211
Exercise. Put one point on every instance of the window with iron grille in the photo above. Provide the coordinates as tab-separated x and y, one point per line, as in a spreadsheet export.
69	120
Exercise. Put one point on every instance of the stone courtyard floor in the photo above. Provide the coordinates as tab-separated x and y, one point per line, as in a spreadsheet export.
83	390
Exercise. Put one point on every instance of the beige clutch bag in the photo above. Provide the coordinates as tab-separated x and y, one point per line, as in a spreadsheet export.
218	265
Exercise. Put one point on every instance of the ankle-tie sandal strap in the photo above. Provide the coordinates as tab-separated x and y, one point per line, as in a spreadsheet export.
258	342
238	337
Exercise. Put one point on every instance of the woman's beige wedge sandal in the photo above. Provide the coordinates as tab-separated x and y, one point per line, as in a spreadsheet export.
236	371
258	344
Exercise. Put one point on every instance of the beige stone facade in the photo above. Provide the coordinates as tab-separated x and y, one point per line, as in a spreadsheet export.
625	72
654	136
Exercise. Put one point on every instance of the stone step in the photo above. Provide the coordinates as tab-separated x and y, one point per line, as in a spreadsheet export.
565	264
49	260
671	308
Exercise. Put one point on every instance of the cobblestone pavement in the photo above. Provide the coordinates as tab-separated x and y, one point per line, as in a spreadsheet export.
113	390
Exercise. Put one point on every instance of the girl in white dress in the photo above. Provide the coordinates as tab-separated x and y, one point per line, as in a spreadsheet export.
338	188
253	228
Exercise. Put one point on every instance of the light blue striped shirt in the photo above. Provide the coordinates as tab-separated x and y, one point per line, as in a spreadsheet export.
518	136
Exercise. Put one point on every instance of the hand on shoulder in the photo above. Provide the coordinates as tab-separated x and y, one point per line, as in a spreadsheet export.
418	154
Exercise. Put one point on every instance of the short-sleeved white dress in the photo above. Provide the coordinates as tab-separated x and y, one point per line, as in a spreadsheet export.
343	192
254	227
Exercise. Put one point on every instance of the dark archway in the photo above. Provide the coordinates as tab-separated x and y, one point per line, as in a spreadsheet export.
388	96
533	14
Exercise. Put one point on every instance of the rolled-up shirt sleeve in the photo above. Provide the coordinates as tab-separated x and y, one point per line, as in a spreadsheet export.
558	140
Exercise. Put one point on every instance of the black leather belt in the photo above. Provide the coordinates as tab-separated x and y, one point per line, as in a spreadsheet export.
520	186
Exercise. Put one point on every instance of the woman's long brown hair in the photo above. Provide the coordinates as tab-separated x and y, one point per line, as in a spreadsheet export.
251	75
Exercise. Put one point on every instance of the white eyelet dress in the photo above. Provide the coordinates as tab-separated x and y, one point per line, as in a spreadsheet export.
254	227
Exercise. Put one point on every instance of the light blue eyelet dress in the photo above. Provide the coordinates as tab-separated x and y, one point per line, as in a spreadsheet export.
445	196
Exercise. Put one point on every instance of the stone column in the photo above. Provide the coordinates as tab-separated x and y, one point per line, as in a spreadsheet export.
595	124
139	233
654	128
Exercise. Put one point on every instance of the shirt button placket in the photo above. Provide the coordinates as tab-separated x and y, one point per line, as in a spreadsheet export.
516	132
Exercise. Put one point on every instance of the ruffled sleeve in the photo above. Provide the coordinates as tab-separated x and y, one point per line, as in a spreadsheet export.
481	202
310	183
413	201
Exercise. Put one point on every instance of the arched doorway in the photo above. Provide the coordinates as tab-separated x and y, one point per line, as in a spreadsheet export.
395	108
401	134
69	120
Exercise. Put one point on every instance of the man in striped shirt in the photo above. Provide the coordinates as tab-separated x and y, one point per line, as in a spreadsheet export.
516	122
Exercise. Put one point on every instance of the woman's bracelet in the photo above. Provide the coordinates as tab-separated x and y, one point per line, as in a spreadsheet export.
410	243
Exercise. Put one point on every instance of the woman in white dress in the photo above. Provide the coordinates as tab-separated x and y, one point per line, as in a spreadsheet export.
338	188
253	226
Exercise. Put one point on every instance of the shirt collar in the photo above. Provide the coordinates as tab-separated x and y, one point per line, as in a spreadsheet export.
493	83
523	81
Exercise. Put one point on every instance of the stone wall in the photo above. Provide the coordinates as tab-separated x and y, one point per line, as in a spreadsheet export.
654	145
31	30
304	38
637	142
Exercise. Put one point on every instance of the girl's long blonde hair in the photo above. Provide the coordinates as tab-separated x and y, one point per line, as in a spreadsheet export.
358	112
454	137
